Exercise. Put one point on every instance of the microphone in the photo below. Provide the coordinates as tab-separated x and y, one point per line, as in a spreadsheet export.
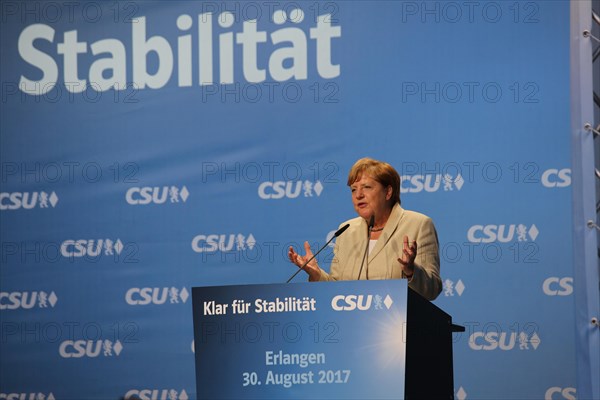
336	234
371	224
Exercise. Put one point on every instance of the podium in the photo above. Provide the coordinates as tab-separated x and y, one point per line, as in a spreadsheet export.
429	361
335	340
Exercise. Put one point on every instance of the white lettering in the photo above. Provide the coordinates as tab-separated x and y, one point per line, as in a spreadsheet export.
38	59
285	57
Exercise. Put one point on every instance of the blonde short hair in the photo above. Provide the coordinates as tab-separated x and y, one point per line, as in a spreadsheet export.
381	171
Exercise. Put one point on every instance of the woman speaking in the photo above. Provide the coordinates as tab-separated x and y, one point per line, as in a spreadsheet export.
401	243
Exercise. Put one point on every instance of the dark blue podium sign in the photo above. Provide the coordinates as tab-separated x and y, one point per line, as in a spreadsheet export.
343	340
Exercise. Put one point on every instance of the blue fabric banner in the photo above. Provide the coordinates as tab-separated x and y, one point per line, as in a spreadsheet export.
150	147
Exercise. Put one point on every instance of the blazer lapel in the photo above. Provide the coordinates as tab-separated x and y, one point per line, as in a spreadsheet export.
390	227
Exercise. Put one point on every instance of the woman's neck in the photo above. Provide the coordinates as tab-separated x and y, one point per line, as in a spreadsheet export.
380	222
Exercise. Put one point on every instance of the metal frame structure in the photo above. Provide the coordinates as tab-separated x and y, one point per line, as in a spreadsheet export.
585	176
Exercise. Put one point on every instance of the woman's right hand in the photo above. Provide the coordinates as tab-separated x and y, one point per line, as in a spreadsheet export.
312	268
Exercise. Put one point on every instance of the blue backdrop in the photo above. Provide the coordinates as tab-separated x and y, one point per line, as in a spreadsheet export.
149	147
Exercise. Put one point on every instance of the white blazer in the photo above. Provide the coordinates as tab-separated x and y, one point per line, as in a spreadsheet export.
383	260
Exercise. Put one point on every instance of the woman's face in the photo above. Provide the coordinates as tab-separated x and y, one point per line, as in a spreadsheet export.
369	197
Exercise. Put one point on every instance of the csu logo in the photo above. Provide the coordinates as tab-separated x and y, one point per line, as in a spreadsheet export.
26	300
555	286
289	189
502	233
223	242
360	302
92	248
27	200
556	393
156	195
556	178
89	348
26	396
451	287
503	341
148	295
430	183
156	394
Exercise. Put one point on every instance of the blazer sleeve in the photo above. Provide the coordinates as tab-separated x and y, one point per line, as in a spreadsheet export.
334	267
426	279
334	271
